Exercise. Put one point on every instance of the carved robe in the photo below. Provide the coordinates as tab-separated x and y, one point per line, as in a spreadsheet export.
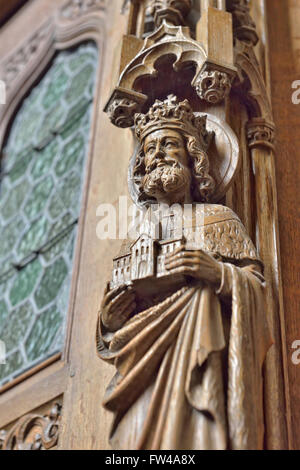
189	368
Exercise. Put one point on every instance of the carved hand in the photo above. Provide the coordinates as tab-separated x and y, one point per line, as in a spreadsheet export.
196	264
117	306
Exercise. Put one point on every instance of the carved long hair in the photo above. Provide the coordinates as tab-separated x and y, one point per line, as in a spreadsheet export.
203	184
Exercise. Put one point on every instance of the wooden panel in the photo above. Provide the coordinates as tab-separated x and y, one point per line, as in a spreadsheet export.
85	423
32	393
284	27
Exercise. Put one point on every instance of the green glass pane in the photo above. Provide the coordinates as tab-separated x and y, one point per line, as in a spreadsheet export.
69	155
76	62
30	124
75	113
7	266
51	123
59	247
25	282
4	190
71	246
70	190
79	83
3	315
43	164
43	333
56	207
56	87
14	161
51	283
34	238
40	191
20	167
10	235
61	225
13	363
15	199
39	197
17	325
27	119
62	301
4	281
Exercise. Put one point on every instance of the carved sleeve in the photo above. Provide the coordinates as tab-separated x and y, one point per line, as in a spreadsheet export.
253	272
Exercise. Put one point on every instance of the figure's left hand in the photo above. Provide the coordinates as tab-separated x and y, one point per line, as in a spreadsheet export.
196	264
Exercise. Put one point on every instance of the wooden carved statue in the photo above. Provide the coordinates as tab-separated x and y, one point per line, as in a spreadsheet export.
183	320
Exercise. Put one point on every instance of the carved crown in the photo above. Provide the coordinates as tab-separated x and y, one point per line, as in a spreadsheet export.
172	114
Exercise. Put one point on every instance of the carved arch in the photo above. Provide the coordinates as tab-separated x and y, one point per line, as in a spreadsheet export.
171	41
250	77
74	23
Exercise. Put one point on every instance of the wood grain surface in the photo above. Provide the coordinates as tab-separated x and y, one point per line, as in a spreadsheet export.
284	27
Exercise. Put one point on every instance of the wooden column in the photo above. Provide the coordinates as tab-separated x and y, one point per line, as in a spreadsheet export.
261	138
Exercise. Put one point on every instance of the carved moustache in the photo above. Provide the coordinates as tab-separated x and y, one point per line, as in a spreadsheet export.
166	179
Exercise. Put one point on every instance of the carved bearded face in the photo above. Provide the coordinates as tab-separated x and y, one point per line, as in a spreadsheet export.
167	172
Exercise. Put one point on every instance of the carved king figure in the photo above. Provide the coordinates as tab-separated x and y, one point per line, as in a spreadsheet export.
189	355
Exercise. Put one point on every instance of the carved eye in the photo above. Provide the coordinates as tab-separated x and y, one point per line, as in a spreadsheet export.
150	150
170	144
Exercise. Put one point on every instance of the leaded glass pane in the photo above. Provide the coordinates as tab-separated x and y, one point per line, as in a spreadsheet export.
40	192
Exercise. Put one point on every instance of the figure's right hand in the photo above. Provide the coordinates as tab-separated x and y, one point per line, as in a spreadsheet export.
117	306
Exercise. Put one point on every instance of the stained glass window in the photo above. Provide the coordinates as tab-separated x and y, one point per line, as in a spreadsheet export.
40	194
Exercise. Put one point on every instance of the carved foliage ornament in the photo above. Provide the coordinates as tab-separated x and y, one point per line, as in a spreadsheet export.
20	59
76	8
213	85
122	107
33	432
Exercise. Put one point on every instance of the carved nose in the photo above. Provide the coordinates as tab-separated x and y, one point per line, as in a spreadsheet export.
159	154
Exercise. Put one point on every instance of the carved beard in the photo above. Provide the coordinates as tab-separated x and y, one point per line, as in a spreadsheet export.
167	179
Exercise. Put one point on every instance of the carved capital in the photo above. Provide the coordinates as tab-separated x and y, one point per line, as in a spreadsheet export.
213	85
122	107
33	432
244	27
173	11
260	133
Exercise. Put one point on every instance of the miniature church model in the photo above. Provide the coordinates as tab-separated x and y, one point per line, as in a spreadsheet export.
145	259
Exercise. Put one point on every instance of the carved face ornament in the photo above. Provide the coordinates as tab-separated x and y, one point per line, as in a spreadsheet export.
166	166
172	165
